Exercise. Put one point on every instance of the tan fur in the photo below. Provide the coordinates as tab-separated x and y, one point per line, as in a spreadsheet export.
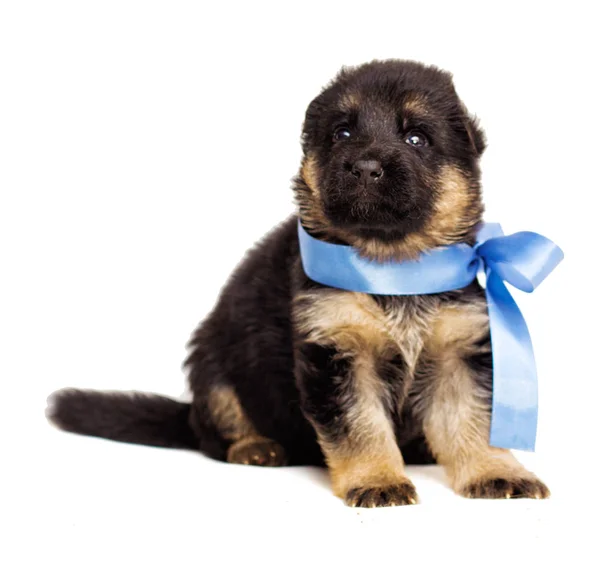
228	415
348	320
365	468
469	123
353	321
457	421
308	197
310	175
415	104
350	101
456	328
455	214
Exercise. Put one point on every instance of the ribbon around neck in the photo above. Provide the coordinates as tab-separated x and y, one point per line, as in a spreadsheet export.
523	260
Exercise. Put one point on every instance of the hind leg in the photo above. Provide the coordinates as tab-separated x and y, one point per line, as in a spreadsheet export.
227	434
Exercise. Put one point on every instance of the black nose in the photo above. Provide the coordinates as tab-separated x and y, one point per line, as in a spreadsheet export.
368	171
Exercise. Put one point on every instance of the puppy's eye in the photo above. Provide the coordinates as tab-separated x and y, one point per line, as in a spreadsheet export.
416	139
341	133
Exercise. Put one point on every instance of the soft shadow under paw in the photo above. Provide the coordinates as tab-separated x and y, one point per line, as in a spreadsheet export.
391	495
257	452
500	488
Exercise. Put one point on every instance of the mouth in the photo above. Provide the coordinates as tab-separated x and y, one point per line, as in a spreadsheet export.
377	221
382	215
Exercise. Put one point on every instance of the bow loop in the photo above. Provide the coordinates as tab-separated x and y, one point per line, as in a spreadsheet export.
523	259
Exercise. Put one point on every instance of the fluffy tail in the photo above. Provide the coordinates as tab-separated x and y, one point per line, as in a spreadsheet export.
137	418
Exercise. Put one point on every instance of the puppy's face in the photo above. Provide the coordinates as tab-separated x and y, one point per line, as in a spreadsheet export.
391	161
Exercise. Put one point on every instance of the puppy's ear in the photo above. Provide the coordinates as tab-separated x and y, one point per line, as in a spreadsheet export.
311	121
475	134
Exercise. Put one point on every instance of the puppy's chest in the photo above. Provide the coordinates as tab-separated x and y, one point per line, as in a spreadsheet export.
407	323
355	322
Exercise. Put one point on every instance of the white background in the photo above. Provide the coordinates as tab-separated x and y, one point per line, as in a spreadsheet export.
144	146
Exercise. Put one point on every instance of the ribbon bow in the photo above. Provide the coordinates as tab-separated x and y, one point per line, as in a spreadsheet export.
523	260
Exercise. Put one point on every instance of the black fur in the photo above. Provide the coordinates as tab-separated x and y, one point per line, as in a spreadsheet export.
139	418
325	398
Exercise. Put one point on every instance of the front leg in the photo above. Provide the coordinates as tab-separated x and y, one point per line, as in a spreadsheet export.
349	404
453	390
344	400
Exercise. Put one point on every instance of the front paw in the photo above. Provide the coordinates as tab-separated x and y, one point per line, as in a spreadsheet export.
390	495
506	488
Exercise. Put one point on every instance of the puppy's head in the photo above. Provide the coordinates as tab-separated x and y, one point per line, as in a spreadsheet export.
390	161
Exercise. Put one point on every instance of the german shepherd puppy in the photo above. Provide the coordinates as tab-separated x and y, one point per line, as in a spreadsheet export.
288	371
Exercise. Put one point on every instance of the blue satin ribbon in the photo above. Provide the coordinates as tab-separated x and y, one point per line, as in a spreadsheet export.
523	260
